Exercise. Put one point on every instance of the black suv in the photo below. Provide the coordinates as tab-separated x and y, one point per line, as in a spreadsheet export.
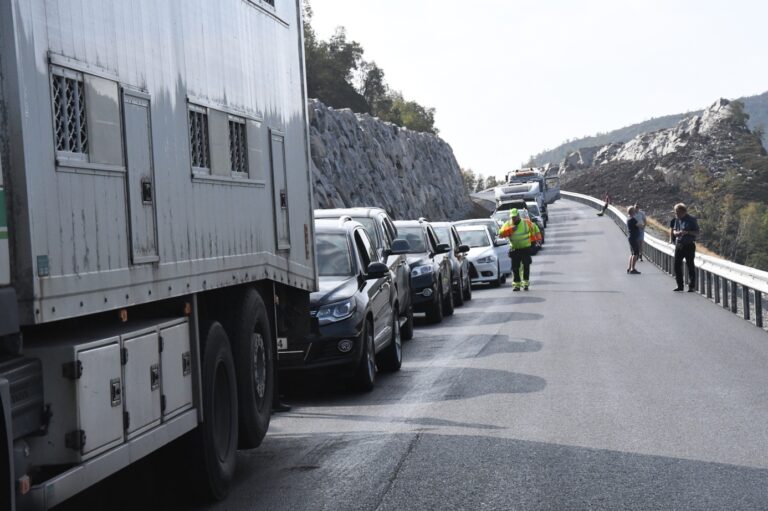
383	233
355	326
460	280
430	274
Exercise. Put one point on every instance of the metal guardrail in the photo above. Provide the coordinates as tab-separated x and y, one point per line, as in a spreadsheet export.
735	287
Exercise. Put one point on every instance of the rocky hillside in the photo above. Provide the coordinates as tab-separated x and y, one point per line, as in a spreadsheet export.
754	106
359	160
711	161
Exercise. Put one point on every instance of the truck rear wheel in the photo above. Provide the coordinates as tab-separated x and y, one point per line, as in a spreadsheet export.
252	350
214	446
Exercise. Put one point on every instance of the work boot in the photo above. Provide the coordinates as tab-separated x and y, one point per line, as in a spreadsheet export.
525	285
516	286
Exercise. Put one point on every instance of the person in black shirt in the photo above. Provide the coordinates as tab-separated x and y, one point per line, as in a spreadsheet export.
633	234
685	230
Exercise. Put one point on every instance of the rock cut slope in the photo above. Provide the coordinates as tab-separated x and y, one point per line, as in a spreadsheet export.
712	151
359	160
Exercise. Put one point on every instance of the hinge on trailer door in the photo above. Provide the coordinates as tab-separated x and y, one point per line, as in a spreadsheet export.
161	343
75	440
123	356
162	403
72	370
126	420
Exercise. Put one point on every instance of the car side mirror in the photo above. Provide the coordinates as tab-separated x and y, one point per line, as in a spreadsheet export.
443	248
376	271
400	246
463	249
500	242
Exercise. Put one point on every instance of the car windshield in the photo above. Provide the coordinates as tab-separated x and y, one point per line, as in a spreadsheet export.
333	258
475	238
533	209
443	234
501	216
415	238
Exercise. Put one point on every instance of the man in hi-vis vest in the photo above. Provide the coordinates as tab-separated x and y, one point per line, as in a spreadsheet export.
522	234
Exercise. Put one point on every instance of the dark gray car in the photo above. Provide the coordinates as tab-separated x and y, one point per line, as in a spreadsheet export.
460	280
354	326
382	232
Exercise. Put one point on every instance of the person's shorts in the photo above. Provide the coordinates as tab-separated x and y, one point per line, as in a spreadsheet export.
634	246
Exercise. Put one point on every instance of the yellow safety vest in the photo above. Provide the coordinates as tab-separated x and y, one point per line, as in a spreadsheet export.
523	234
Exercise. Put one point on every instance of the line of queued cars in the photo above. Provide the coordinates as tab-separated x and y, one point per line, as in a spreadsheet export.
374	274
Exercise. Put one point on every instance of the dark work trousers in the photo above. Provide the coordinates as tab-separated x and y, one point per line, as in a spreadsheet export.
687	252
521	255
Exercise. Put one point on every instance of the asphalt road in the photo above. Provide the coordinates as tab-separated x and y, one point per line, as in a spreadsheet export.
594	390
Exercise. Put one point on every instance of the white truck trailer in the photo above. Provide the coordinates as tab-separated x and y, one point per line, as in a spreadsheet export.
156	234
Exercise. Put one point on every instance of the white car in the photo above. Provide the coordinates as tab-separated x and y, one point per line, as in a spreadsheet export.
484	261
502	250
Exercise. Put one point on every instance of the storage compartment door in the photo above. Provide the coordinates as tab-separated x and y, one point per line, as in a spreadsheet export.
100	397
142	383
280	190
176	369
141	177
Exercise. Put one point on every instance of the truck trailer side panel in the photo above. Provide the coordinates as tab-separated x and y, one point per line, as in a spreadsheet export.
141	154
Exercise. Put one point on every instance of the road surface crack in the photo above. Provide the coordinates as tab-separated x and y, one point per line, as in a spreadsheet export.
398	468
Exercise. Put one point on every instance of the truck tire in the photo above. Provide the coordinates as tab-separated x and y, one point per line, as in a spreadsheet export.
448	303
251	338
458	298
391	358
435	311
406	331
214	446
365	377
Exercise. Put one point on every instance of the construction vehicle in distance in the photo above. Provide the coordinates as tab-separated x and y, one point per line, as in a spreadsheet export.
529	184
156	235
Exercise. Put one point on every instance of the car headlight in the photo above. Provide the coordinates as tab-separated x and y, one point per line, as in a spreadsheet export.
487	260
422	270
336	311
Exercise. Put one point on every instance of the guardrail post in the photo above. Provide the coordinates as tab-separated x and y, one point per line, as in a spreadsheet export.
708	276
725	293
716	278
734	297
700	286
745	301
758	308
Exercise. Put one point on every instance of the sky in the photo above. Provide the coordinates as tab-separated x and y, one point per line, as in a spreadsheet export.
511	78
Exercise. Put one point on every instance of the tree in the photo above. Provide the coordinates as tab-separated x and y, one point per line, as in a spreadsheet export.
480	185
338	76
408	114
491	182
373	87
469	178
